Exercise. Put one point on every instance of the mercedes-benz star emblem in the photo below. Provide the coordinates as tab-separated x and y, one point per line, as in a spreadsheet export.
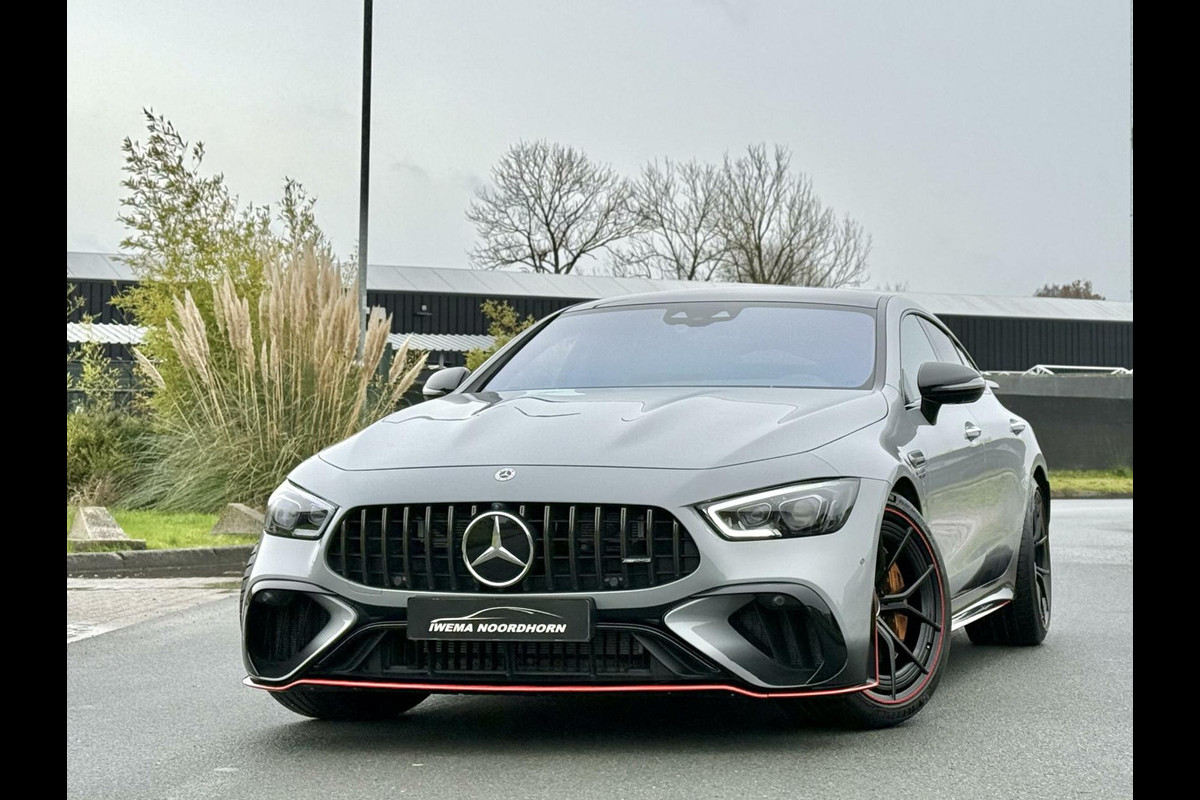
497	548
506	474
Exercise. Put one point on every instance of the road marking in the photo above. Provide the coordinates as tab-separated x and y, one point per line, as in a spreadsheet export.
97	606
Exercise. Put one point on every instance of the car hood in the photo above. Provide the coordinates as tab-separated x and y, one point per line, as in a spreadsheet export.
670	428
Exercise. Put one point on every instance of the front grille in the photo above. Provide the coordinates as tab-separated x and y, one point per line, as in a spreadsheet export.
591	548
609	653
614	653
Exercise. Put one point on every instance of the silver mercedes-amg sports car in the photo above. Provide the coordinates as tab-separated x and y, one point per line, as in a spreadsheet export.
788	494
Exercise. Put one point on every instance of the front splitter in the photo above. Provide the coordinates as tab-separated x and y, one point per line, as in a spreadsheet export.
478	688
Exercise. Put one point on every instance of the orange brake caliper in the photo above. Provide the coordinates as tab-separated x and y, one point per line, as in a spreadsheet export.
895	583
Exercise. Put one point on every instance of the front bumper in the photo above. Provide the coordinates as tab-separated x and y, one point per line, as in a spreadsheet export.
762	618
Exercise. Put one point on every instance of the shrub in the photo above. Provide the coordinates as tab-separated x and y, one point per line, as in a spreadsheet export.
250	400
101	455
102	438
503	325
186	230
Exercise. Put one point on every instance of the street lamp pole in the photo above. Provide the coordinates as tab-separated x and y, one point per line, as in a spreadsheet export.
364	177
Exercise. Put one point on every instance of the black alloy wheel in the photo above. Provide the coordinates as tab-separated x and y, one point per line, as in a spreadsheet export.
1041	562
910	617
911	624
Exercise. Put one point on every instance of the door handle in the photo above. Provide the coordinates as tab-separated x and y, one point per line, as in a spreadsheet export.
972	431
1016	425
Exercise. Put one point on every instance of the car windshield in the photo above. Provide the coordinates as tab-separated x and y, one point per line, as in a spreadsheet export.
697	344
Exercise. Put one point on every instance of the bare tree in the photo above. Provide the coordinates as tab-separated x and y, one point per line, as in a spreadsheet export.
550	207
776	230
1076	290
677	209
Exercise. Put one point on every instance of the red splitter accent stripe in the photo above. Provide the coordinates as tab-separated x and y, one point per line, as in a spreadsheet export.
490	688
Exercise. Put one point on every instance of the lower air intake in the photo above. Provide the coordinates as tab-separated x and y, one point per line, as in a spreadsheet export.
279	625
613	655
786	634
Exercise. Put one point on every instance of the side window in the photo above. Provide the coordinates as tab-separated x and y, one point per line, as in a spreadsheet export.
941	343
964	356
947	349
915	350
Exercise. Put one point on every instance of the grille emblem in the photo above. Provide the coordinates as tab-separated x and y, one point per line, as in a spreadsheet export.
497	548
506	474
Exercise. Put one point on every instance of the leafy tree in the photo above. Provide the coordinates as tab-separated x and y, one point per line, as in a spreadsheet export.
550	207
74	302
252	330
1075	290
187	231
503	325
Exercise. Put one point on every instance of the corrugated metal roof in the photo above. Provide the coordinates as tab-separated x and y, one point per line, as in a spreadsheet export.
442	342
979	305
105	333
108	333
98	267
446	280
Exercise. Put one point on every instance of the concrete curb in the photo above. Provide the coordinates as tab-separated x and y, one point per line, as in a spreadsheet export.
191	562
215	562
1080	495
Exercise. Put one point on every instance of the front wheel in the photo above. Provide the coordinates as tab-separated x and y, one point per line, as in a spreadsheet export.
912	630
341	704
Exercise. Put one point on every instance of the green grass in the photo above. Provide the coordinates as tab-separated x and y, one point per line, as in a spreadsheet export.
1091	482
162	530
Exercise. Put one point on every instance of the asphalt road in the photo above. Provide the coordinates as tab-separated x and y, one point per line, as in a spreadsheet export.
156	710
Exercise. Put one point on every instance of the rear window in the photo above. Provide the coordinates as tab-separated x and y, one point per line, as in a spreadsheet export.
698	344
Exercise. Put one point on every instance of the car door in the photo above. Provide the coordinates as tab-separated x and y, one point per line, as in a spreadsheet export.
1003	489
947	456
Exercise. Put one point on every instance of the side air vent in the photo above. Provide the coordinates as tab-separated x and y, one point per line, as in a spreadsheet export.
280	624
784	630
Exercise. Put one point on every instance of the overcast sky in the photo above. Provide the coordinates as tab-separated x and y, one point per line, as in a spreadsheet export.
985	146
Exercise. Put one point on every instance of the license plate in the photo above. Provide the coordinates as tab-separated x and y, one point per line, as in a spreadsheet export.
500	620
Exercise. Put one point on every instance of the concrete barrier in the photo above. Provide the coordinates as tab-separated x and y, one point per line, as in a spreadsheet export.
94	530
1081	421
238	519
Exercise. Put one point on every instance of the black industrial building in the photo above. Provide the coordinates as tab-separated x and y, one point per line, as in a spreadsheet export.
1081	424
1002	333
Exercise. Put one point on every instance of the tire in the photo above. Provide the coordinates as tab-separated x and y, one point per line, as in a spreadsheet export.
1025	620
335	704
905	685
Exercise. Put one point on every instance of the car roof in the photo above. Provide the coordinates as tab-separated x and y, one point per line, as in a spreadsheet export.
858	298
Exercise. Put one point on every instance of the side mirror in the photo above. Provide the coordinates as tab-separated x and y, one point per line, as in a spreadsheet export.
942	383
445	380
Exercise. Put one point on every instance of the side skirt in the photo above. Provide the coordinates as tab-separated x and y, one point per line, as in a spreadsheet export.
982	607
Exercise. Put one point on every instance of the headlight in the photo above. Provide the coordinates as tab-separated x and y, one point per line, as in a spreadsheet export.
291	511
803	509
